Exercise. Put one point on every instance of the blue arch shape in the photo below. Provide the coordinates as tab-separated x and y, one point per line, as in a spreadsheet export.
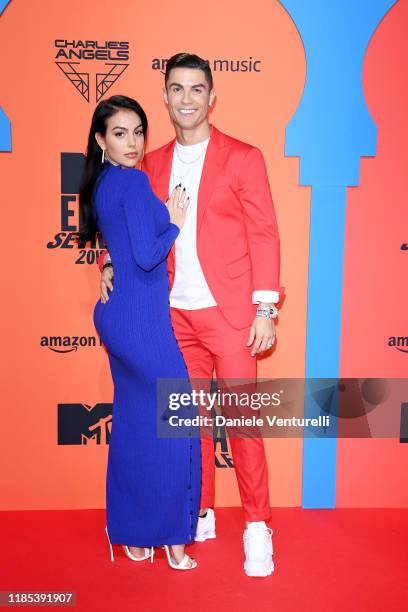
3	4
330	130
5	132
5	127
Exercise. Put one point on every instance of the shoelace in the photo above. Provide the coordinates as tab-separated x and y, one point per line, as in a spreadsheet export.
258	532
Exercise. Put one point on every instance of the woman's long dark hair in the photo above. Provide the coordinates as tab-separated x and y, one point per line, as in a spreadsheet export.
93	164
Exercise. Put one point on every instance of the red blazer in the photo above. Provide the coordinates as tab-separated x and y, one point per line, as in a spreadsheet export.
237	233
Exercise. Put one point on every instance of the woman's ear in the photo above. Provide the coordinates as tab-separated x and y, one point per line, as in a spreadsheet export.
100	140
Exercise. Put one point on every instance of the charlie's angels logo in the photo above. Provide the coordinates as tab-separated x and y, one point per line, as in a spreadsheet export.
72	165
84	424
79	59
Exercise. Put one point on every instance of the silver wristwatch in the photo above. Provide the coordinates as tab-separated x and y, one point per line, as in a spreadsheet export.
269	312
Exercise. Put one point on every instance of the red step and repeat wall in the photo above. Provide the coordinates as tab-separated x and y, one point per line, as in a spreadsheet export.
60	60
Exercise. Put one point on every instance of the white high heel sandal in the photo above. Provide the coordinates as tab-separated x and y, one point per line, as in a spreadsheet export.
183	563
148	552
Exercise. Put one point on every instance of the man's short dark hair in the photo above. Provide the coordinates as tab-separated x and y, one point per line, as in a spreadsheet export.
189	60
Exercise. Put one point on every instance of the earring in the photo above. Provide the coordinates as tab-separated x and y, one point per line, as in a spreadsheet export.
103	155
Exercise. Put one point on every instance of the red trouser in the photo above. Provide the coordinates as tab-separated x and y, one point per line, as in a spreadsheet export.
207	341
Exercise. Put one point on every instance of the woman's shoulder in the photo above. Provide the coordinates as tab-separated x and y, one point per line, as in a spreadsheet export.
133	177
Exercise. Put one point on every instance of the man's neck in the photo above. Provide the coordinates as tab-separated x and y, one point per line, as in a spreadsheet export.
192	137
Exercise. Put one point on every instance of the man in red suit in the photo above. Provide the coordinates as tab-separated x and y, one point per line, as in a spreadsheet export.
224	277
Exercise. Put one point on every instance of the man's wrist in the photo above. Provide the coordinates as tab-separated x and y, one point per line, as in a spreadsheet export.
268	312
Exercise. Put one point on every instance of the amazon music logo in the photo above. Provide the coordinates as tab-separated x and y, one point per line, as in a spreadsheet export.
248	64
84	424
400	343
72	165
68	344
84	61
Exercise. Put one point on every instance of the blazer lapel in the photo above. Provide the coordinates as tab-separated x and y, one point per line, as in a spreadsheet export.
212	168
161	188
162	178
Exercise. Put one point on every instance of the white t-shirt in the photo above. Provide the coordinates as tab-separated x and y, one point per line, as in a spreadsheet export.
190	290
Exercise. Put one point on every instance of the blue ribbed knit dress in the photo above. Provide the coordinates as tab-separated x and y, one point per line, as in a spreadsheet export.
152	483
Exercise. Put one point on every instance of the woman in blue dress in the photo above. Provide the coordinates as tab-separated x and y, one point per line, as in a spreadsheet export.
152	482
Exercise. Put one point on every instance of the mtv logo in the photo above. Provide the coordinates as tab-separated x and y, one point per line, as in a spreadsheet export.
404	423
72	167
84	424
222	453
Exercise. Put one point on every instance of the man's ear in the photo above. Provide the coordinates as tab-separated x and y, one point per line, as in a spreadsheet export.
212	97
166	100
100	140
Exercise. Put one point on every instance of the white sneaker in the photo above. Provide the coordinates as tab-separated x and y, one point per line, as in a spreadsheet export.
258	549
206	527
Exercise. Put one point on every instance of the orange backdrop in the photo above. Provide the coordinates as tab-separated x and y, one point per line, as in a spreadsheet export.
47	293
52	291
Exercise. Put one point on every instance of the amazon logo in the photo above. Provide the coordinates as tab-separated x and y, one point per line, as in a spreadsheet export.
399	342
68	344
